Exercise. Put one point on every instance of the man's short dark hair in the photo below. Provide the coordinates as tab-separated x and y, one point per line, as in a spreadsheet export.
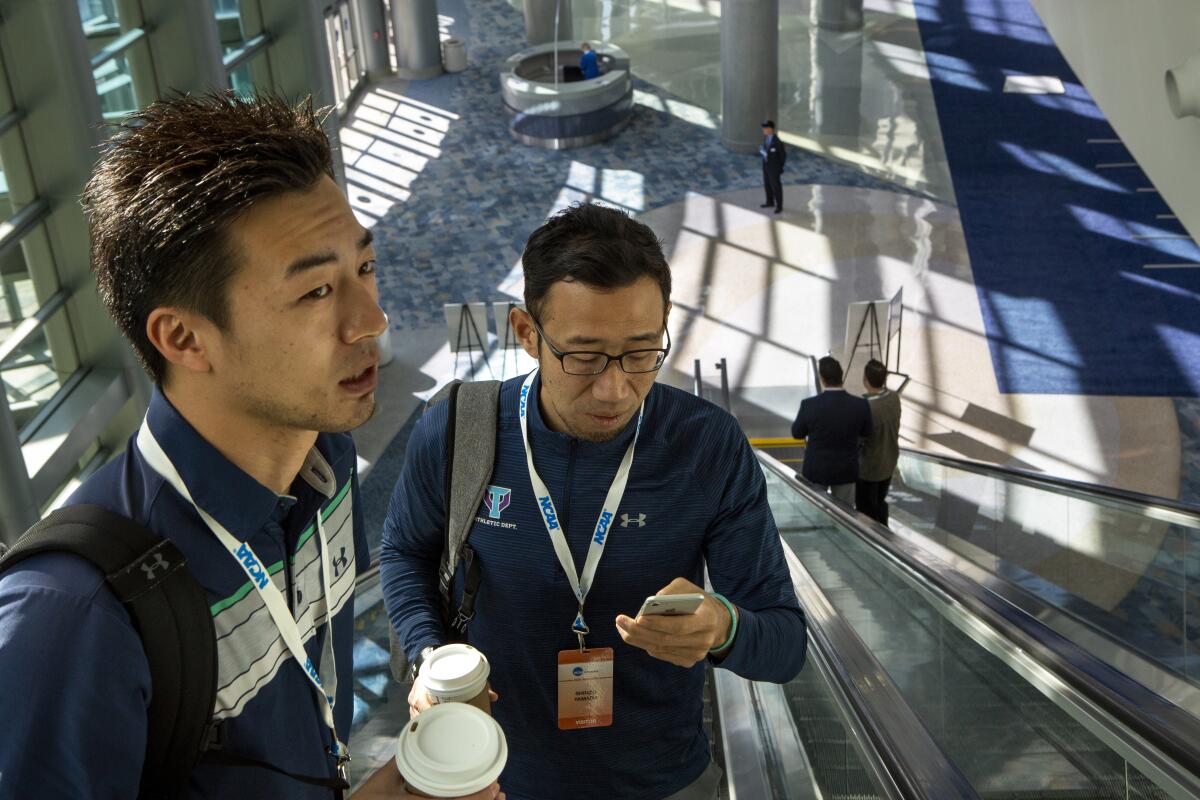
875	374
598	246
166	188
830	371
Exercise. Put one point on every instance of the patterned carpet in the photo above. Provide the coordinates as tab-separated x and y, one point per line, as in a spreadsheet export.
460	232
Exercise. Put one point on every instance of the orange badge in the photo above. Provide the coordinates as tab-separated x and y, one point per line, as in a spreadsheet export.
585	688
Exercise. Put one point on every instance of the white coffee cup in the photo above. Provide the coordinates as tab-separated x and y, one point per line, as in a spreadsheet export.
457	673
451	750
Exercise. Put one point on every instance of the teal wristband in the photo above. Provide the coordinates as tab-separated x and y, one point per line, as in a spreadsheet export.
733	623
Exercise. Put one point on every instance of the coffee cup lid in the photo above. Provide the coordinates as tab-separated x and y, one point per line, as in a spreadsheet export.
451	750
454	668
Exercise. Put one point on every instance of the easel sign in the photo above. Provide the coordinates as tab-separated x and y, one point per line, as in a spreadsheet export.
506	337
871	329
895	318
504	332
866	323
467	330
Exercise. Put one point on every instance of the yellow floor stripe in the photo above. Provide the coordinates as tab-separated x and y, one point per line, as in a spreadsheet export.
783	441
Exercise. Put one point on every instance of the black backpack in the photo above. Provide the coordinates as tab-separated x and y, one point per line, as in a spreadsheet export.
170	611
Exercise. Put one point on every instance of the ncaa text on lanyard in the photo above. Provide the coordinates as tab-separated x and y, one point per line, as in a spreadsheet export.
580	585
257	573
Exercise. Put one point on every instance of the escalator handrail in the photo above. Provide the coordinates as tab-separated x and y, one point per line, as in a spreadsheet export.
1038	479
1081	489
1162	734
902	754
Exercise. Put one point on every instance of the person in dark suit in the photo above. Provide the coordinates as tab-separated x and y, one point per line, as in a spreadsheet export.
774	155
832	422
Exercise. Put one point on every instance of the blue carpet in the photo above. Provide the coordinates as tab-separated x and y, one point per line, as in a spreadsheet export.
1068	307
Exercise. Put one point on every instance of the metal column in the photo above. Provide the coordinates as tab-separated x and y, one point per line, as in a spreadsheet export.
18	508
299	59
418	44
48	80
539	21
749	71
184	45
840	15
372	38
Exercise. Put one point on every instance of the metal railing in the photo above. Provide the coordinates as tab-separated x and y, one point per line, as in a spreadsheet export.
1066	486
1155	736
723	368
251	48
118	46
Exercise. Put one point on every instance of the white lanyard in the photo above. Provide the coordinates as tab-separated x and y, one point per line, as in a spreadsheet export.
256	571
579	585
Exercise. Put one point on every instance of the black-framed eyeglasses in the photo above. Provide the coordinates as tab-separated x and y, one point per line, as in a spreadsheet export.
593	362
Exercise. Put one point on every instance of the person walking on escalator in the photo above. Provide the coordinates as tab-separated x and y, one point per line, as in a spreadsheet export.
881	450
606	487
832	423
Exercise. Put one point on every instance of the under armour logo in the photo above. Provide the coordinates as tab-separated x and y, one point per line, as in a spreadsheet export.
159	562
627	520
340	563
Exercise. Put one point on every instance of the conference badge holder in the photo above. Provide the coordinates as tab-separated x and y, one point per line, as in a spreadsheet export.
585	688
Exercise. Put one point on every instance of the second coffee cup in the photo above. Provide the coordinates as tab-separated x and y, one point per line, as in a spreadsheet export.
450	750
457	673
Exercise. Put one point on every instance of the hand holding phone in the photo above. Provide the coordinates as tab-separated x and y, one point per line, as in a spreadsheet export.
672	605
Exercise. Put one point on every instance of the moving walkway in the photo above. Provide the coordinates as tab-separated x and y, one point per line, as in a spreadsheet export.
926	679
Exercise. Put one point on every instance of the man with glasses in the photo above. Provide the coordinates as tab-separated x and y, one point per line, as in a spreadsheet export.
605	489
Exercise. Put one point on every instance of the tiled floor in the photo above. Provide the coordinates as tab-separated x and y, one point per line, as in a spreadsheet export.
864	99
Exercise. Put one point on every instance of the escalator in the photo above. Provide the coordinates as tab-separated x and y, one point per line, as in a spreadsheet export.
924	683
1011	636
1116	572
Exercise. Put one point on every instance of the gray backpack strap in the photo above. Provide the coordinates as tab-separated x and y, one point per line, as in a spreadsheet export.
473	452
470	451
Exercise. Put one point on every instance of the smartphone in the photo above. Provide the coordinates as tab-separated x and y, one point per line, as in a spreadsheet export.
672	605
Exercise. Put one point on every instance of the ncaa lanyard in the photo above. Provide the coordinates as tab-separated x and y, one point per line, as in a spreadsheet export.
256	571
580	585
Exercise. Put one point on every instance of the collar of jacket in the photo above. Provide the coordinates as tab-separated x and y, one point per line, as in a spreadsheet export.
543	439
223	489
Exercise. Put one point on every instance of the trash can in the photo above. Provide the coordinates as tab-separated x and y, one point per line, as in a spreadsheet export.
454	55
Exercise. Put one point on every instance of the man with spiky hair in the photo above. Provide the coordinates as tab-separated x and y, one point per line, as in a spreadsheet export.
232	262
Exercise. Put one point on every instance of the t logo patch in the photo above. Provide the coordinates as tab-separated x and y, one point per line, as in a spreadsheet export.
639	520
496	500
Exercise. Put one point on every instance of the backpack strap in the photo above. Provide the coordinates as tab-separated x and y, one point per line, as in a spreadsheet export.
470	452
170	611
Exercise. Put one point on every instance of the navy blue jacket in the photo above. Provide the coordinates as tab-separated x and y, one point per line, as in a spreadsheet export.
832	422
696	497
74	682
774	154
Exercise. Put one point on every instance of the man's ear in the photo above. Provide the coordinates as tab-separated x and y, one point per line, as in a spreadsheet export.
180	336
522	324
